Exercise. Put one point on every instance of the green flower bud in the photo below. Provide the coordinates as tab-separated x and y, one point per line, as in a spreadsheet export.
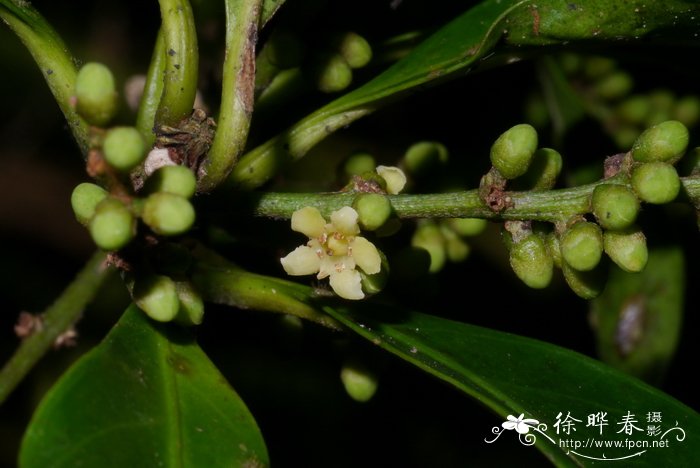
84	199
614	206
372	284
177	180
656	182
634	109
96	95
531	262
543	171
373	210
467	227
124	148
359	163
423	156
551	241
360	383
157	296
191	310
597	67
665	142
582	246
662	99
456	249
332	74
628	249
429	237
687	110
614	86
586	284
112	226
625	136
168	214
354	49
513	150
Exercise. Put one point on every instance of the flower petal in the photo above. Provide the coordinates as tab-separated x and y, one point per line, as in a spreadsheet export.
366	255
347	284
331	264
394	177
508	425
301	261
345	221
522	428
308	221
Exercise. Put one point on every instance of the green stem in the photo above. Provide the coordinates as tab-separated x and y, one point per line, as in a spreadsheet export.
52	57
181	62
237	94
223	283
58	318
145	120
545	205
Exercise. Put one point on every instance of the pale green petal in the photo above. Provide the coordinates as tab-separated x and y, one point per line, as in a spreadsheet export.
301	261
345	221
335	264
366	255
394	177
308	221
347	284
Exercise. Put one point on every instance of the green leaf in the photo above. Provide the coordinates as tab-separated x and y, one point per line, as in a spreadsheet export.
514	375
146	396
638	317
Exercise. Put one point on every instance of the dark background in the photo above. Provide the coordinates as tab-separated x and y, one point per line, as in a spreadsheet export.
289	377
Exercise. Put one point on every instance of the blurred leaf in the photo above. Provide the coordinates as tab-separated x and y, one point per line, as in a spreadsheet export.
146	396
564	105
638	317
514	375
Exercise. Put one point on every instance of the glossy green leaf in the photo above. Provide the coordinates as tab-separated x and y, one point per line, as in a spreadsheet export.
638	317
146	396
457	47
514	375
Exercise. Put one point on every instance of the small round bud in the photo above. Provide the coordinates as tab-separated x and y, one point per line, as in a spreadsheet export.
656	182
423	156
168	214
586	284
373	210
665	142
157	296
614	86
625	136
429	237
177	180
191	309
531	262
84	199
687	110
467	227
634	109
359	163
354	49
332	74
112	226
544	169
513	150
662	100
96	95
360	383
456	249
124	148
597	67
628	249
614	206
582	246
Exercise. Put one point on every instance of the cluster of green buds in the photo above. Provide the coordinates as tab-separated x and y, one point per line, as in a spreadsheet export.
332	71
576	245
607	92
116	215
446	239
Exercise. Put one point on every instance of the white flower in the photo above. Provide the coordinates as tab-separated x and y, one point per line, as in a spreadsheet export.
522	426
334	250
